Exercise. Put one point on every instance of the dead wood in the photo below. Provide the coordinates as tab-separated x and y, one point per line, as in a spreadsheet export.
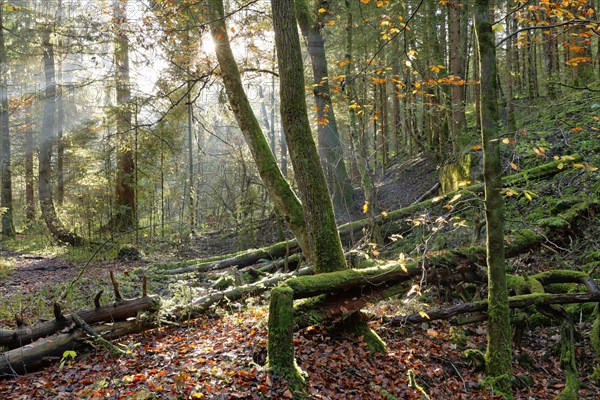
46	350
522	301
13	339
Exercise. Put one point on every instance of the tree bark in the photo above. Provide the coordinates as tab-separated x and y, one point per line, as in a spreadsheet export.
499	346
29	182
318	210
279	190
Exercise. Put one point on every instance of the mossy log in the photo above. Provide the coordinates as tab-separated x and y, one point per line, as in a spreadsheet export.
200	305
274	252
521	301
353	231
44	351
12	339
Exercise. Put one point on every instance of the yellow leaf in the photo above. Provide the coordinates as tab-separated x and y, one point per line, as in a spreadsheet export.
476	147
331	23
197	396
404	268
505	141
514	166
424	314
527	195
448	207
384	214
322	10
366	207
560	166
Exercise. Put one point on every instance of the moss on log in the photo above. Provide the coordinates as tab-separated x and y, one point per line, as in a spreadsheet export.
280	347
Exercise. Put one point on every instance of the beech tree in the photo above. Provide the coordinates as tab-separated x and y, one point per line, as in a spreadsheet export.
323	236
499	350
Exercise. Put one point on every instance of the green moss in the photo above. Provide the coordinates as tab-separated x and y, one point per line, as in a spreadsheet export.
559	276
595	332
523	240
517	283
357	326
553	223
280	347
581	311
475	359
563	204
412	383
223	283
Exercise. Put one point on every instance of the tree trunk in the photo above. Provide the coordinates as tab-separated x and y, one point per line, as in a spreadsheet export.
125	202
6	201
499	350
318	210
277	187
330	147
54	224
455	14
29	182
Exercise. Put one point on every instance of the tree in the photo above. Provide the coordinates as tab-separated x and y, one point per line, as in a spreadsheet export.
6	201
330	147
499	350
125	213
54	224
279	190
318	210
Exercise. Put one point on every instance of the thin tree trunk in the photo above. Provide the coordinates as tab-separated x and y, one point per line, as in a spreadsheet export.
6	201
29	182
318	209
499	350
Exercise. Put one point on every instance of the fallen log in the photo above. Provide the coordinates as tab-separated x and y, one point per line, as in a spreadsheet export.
201	304
273	252
12	339
521	301
46	350
352	231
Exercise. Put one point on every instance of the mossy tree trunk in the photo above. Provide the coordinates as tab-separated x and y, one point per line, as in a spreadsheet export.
318	210
329	143
499	350
278	188
280	338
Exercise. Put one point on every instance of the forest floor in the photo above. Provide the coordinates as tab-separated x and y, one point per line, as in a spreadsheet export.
222	355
